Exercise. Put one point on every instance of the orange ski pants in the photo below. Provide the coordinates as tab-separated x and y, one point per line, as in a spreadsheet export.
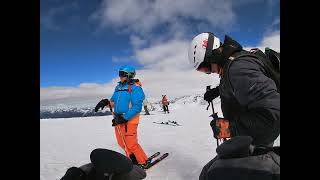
129	143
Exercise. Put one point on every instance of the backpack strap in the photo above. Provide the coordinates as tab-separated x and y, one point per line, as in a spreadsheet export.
136	82
130	88
259	57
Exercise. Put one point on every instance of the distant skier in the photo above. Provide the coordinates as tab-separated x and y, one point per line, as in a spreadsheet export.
106	165
165	104
145	106
127	101
238	159
249	89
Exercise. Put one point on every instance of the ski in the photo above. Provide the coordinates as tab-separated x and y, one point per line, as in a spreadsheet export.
174	122
156	161
154	155
165	123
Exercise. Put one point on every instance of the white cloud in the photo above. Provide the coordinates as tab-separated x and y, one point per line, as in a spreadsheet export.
155	83
137	41
164	56
271	40
82	92
174	83
165	71
143	16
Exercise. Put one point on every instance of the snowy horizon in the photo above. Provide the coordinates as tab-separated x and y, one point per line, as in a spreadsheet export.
86	108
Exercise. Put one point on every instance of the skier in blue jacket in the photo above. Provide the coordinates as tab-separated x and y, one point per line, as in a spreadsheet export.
127	101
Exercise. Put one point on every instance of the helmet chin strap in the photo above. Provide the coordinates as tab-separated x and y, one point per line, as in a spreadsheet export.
220	71
209	68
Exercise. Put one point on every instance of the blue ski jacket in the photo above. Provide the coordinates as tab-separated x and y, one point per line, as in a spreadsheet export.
122	100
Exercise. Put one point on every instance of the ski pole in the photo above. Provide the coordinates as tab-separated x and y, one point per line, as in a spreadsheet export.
119	132
214	115
123	140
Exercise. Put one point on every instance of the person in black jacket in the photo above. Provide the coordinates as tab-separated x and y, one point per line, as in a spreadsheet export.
238	159
250	98
106	165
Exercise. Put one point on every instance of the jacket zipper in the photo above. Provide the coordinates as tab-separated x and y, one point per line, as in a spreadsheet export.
118	100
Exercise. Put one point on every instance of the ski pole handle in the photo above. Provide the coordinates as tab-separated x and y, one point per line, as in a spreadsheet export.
212	107
208	89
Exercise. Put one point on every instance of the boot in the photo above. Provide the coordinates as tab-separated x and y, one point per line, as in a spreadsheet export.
143	166
133	159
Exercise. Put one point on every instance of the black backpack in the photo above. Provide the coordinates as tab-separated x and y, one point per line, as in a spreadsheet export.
274	57
270	59
238	159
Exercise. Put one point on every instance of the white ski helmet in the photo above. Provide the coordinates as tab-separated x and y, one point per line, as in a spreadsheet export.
201	48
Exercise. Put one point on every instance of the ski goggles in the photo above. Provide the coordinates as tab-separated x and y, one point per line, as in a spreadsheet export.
123	74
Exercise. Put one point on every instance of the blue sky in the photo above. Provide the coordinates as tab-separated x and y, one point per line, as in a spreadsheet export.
85	41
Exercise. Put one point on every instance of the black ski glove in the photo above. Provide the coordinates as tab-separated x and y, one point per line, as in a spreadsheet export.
118	120
211	94
101	104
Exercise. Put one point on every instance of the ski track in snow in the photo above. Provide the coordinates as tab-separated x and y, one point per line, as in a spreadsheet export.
68	142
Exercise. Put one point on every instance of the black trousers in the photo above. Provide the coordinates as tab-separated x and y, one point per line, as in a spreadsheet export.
165	108
146	110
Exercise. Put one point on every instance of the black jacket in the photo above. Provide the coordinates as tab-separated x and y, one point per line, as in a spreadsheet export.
249	98
106	164
262	167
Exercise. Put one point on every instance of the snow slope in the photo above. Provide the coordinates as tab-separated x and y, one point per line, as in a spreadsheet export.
68	142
